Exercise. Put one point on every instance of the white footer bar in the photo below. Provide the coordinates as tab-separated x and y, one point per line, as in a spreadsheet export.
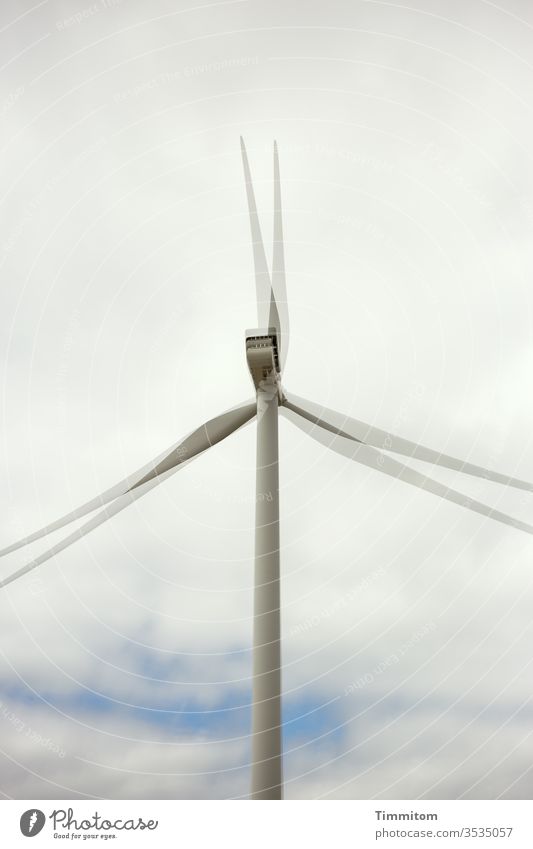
269	825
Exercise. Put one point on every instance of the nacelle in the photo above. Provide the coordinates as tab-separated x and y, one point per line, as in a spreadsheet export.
262	356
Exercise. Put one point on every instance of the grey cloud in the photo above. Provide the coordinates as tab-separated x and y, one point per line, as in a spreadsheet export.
127	275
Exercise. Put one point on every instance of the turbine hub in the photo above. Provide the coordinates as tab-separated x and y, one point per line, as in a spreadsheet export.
262	357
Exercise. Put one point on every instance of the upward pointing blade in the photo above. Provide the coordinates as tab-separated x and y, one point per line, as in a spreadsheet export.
208	434
379	461
279	285
267	311
265	299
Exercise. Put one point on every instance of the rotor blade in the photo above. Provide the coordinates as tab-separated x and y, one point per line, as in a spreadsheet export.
279	285
381	462
267	311
107	513
362	432
208	434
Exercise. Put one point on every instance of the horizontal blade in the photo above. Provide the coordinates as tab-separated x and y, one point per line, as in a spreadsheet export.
107	513
362	432
381	462
208	434
202	438
267	311
279	285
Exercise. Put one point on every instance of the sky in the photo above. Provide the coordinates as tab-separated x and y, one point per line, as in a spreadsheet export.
405	138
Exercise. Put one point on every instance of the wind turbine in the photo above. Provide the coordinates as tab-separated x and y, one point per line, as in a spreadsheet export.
266	351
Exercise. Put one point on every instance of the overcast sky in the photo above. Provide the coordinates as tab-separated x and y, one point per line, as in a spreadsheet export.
405	138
